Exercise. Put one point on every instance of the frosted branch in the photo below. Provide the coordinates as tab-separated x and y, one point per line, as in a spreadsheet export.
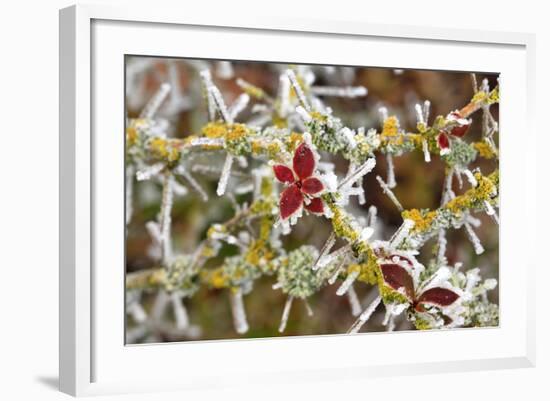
286	313
365	316
389	193
238	311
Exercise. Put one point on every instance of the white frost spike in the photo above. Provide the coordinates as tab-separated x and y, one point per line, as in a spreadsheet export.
366	233
389	192
154	231
441	246
426	110
331	240
475	222
179	189
325	260
129	192
383	113
309	311
350	279
286	313
206	142
474	239
391	324
149	172
224	177
304	114
138	313
472	278
159	306
224	69
353	302
361	197
220	104
196	186
427	156
401	233
347	91
298	89
365	316
153	105
180	312
332	279
284	94
490	284
239	105
237	309
419	113
373	211
364	169
471	179
207	82
491	211
391	171
166	217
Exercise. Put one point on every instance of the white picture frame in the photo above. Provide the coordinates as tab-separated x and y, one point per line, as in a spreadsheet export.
93	357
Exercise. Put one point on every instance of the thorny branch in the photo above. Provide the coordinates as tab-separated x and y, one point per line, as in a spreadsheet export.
432	296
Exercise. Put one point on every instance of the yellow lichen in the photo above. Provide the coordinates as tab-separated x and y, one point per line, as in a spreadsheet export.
165	149
422	219
215	130
484	149
293	140
390	127
131	136
367	272
486	190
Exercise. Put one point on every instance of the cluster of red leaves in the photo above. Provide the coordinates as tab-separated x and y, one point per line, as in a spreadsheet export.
397	277
303	189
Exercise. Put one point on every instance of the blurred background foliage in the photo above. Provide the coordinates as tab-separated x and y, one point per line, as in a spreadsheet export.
419	185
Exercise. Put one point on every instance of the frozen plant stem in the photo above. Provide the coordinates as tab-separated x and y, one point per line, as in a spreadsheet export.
286	313
166	217
353	301
401	233
365	316
180	312
331	240
130	173
390	193
298	90
224	177
391	171
348	282
238	311
478	248
154	104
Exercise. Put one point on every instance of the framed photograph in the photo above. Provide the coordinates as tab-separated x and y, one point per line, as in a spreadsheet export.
278	200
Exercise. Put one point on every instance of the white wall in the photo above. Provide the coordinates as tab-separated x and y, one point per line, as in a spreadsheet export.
28	197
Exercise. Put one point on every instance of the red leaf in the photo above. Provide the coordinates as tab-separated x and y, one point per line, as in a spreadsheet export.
315	206
443	141
291	201
398	277
460	131
463	124
304	161
312	186
438	296
283	173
